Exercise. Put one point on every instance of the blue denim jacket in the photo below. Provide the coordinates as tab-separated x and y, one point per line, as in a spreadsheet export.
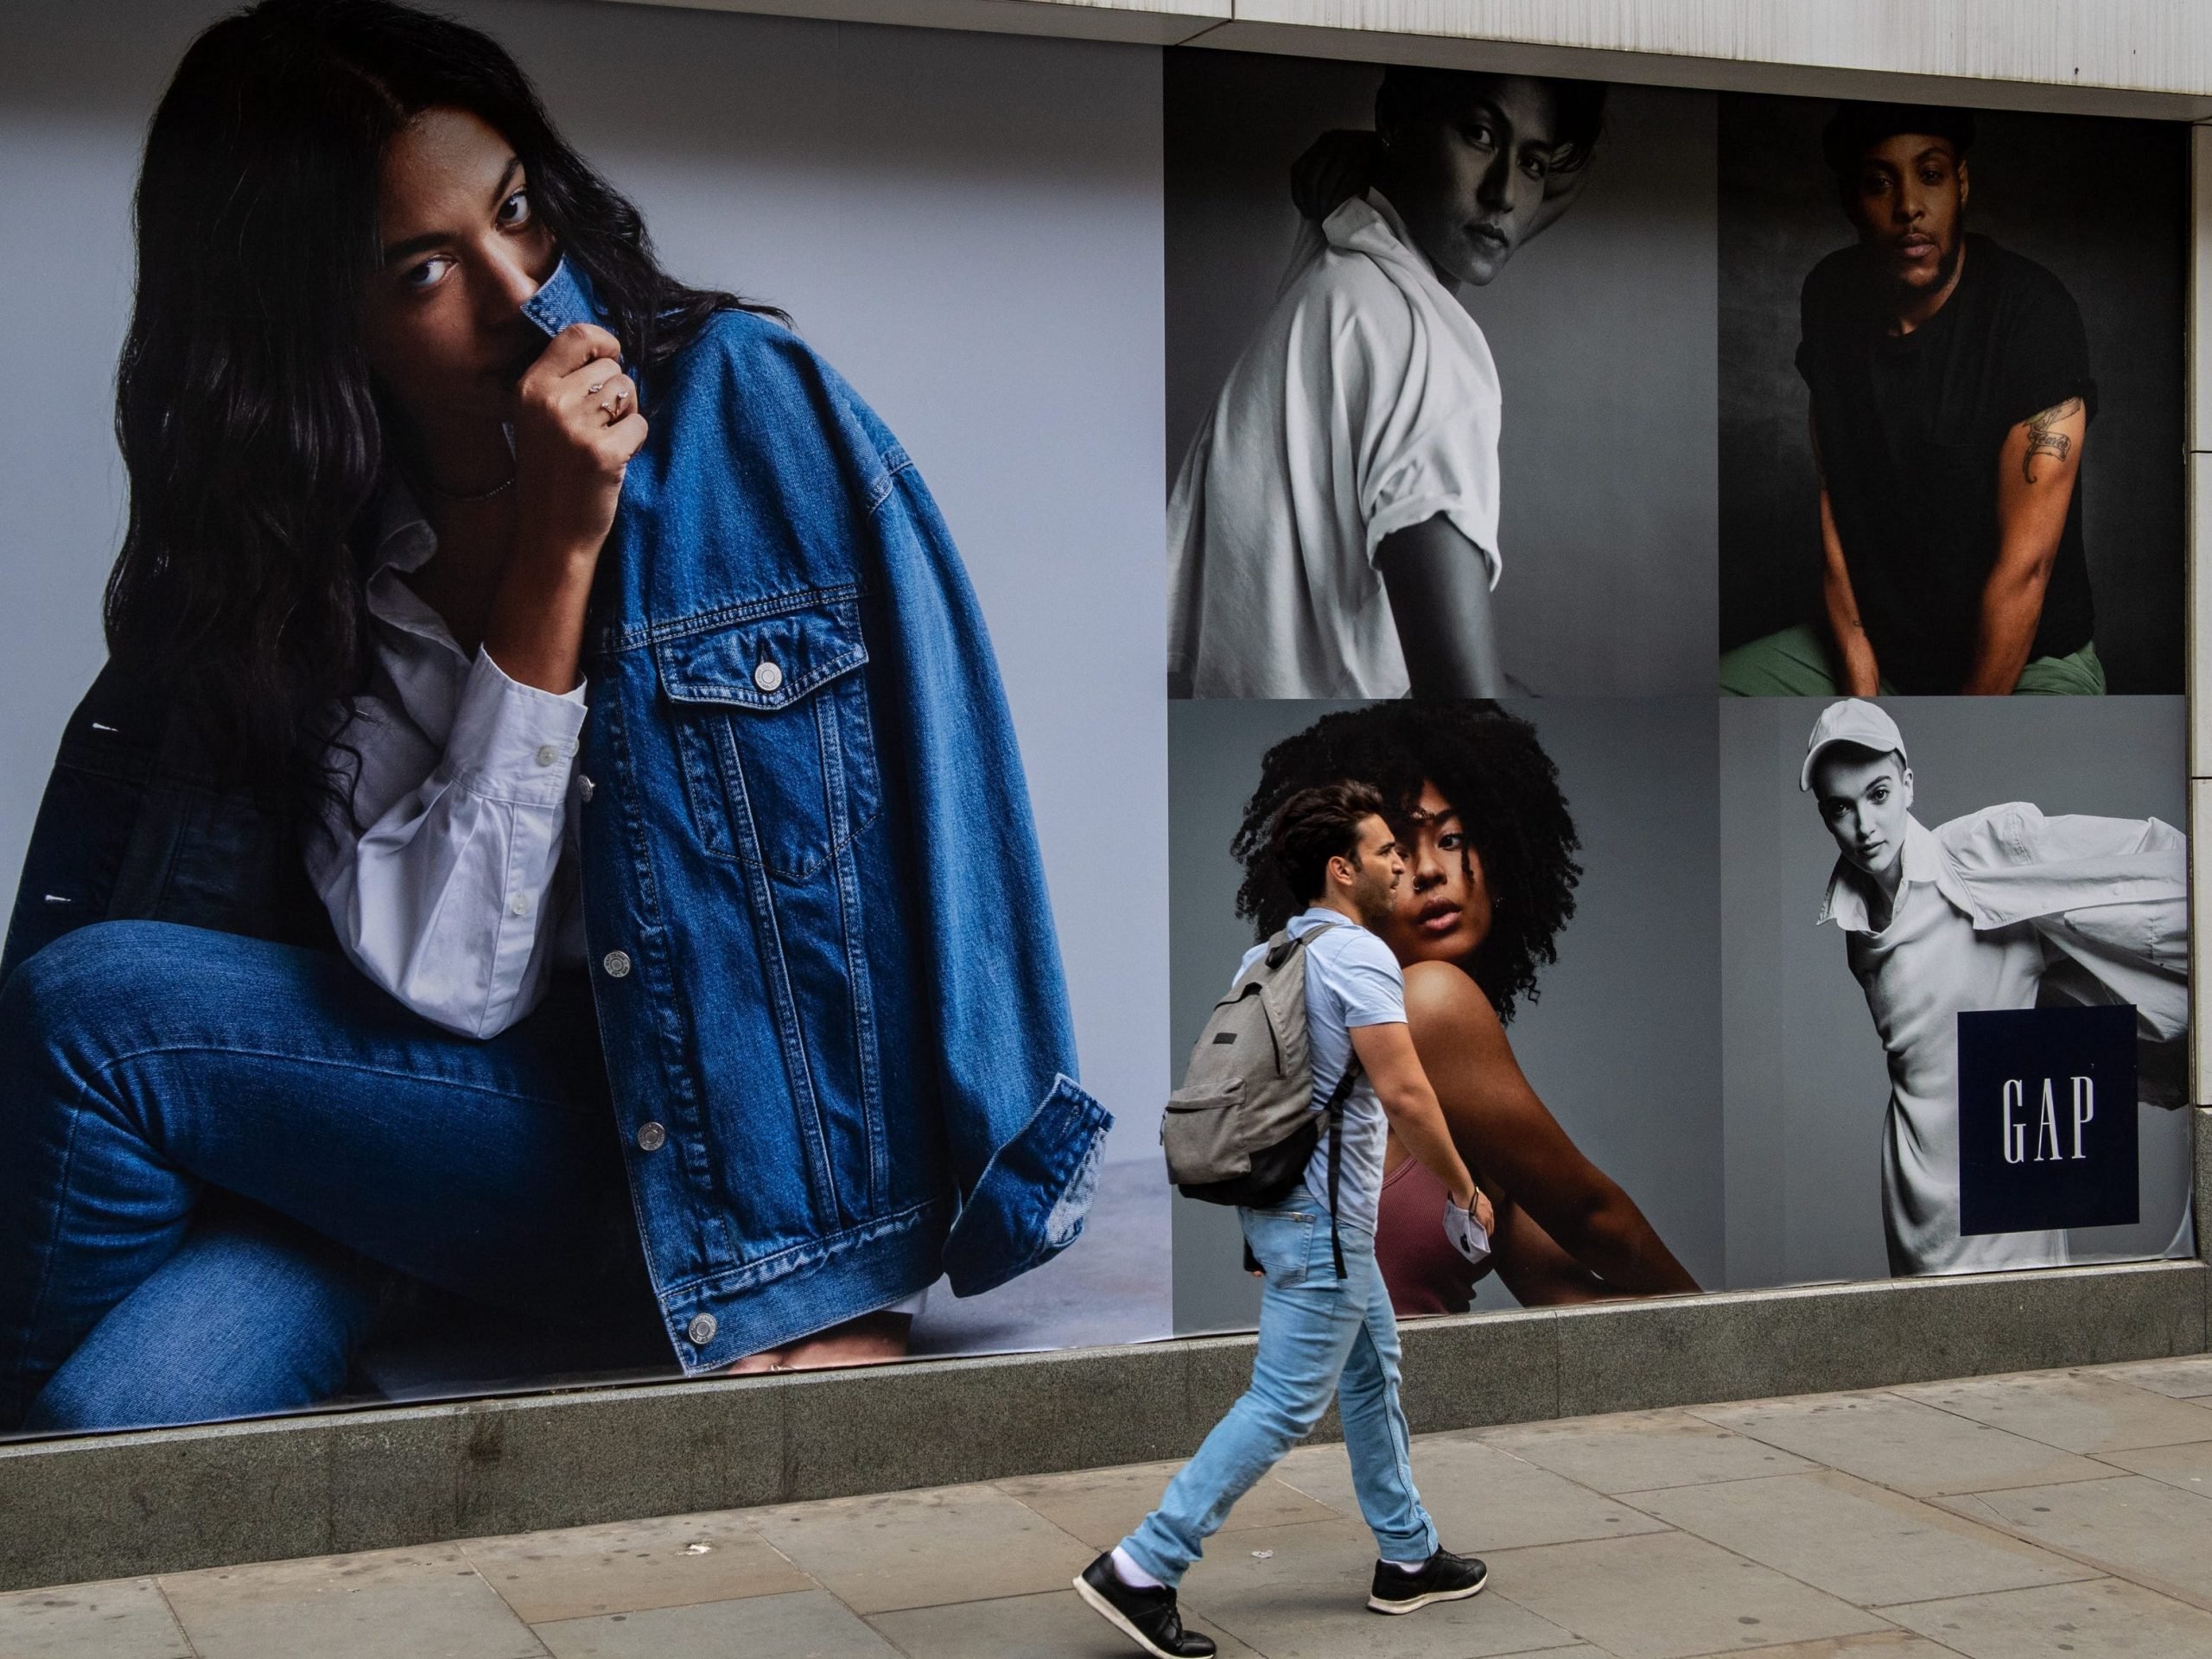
820	941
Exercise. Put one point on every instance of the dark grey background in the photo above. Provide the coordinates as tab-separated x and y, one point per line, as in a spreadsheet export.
2104	205
1805	1084
1624	1043
1604	330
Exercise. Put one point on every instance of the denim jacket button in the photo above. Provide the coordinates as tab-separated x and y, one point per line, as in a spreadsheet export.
651	1137
584	786
701	1330
617	963
767	676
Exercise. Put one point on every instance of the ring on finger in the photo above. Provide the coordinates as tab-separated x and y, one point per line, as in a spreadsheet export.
594	389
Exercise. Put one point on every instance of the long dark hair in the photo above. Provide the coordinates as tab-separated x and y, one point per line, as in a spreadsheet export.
1489	766
247	413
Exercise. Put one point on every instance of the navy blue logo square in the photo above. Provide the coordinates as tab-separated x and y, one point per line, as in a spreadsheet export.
2046	1119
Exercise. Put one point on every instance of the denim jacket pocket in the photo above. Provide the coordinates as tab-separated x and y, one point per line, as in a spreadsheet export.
772	726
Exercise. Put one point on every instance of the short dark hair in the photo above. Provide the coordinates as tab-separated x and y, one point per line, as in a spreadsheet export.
1316	825
1854	128
1414	93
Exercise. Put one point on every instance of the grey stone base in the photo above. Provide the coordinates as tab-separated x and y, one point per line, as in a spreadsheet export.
120	1505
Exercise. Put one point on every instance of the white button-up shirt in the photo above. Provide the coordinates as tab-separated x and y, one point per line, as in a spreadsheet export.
458	896
2006	908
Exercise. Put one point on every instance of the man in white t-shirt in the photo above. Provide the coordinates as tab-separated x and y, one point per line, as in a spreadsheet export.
1333	529
1321	1335
2003	908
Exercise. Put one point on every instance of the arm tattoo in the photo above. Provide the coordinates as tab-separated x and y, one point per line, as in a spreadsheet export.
2042	441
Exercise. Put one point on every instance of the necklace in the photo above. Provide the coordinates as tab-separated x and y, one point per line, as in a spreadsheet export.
460	500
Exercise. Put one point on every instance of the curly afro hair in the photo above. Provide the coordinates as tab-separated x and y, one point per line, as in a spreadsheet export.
1489	766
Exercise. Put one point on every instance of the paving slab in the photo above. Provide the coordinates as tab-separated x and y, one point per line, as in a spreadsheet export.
1300	1592
2105	1618
1668	1596
923	1549
1481	1498
2072	1411
1052	1623
809	1624
367	1606
125	1618
2132	1526
1858	1540
2178	1379
629	1567
1103	1506
1870	1644
1902	1443
2189	1467
1640	1451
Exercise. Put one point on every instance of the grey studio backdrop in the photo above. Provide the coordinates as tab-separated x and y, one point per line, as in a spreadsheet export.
1805	1087
933	209
1604	330
1622	1043
2103	204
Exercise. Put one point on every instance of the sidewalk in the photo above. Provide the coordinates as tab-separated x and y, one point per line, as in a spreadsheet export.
2054	1513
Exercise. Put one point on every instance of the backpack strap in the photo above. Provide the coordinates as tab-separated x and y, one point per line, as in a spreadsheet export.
1336	1110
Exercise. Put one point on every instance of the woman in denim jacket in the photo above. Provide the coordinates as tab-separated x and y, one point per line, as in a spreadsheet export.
695	981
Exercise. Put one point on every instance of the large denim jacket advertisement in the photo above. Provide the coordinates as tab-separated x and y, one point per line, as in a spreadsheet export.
821	946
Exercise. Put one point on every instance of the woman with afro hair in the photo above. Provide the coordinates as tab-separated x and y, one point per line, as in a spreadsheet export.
1489	848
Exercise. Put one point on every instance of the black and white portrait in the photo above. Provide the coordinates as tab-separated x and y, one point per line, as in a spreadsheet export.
1951	359
1440	361
1893	870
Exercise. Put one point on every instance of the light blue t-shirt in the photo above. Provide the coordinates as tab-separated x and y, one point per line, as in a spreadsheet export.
1352	979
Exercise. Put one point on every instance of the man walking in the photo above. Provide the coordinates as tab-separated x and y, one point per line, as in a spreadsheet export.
1319	1335
1951	395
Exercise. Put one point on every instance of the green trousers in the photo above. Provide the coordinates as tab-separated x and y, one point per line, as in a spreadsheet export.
1800	661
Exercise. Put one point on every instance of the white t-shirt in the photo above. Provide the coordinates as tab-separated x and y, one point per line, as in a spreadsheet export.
1352	979
1368	403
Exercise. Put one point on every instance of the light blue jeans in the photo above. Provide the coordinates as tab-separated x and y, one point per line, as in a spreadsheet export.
1319	1336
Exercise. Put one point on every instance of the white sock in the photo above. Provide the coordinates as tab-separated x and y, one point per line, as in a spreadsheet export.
1409	1567
1126	1570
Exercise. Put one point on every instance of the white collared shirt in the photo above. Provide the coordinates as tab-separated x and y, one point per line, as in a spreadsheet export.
457	897
1988	908
1367	402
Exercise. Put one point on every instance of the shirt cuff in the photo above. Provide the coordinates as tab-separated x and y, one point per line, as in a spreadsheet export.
511	741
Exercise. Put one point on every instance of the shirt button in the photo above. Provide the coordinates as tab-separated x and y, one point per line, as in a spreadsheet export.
617	963
520	904
651	1137
584	786
701	1330
767	676
547	755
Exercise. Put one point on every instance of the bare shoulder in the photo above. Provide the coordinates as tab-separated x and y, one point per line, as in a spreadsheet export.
1442	1000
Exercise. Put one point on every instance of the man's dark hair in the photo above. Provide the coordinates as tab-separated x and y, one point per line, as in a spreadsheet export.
1490	766
1854	128
1412	93
1316	825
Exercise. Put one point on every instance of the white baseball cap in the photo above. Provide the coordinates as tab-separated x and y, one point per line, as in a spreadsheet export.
1852	721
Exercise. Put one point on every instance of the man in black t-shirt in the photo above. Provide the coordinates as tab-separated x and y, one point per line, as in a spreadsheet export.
1950	398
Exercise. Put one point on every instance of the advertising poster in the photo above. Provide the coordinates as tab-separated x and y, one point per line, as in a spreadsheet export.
655	659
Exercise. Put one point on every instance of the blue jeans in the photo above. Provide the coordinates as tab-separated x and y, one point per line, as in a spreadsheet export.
219	1154
1319	1336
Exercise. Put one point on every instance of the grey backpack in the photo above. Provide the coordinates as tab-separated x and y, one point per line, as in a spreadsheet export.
1242	1128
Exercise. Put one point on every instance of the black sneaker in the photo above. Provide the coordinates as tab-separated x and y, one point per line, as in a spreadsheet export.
1147	1618
1443	1577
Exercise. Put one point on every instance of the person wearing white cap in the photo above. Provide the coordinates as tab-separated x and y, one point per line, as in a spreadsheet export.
2003	908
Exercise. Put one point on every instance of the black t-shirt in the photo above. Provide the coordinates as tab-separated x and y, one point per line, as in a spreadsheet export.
1910	430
